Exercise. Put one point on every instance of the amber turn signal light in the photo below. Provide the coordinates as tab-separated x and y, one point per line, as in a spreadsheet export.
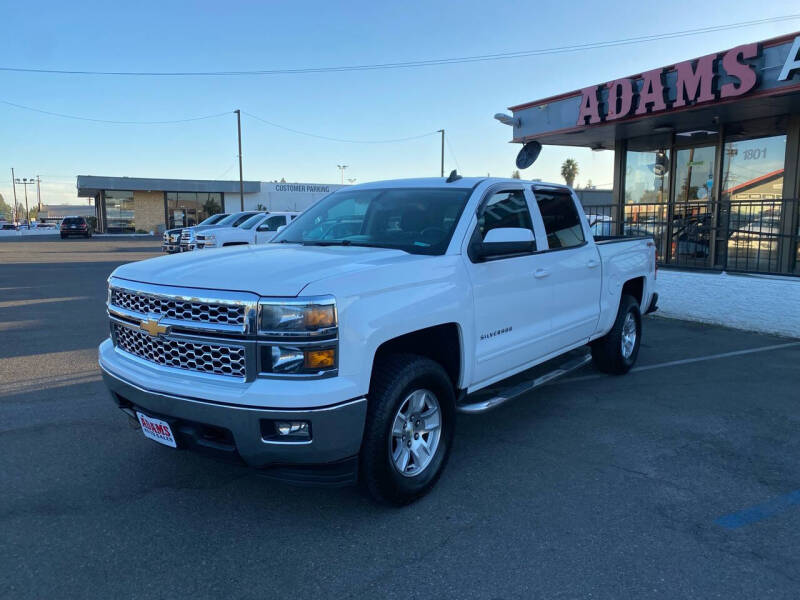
320	359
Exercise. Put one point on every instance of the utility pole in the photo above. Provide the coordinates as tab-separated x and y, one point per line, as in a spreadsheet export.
241	181
25	182
442	169
38	195
341	171
14	183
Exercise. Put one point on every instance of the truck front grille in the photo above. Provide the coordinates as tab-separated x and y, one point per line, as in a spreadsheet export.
203	357
199	312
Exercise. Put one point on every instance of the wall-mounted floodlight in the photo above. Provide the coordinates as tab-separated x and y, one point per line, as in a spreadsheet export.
507	119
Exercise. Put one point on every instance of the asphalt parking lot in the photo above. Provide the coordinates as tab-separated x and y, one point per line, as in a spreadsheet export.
679	480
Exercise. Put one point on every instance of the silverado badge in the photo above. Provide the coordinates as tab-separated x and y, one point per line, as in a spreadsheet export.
152	326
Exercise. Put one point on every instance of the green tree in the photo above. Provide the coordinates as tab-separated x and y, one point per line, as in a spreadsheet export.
569	170
211	207
6	210
515	175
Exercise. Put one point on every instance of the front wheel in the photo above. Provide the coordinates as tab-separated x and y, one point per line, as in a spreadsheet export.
409	428
616	351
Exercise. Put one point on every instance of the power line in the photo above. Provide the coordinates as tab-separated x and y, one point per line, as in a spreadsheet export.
422	63
452	154
79	118
213	116
334	139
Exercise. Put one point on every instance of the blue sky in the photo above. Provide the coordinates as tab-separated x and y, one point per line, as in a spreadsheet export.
191	36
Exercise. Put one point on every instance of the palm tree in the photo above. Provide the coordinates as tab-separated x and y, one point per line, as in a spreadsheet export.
515	175
569	170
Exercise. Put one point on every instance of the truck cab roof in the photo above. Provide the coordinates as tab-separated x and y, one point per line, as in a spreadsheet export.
436	182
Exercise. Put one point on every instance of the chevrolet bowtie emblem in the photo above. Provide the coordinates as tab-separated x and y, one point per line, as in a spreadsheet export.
153	326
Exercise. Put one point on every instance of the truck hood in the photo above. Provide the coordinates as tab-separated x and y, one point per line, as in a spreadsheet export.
266	270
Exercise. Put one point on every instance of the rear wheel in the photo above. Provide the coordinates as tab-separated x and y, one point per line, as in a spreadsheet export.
616	352
409	428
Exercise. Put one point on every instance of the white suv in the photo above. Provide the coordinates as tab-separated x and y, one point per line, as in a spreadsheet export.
258	229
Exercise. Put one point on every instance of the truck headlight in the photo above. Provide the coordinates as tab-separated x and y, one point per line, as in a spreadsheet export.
298	336
306	317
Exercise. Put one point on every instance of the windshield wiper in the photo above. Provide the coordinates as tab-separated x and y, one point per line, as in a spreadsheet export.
327	243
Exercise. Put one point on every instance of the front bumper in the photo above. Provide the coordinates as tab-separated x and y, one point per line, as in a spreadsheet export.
235	432
170	248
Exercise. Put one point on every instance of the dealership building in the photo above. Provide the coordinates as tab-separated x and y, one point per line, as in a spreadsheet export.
706	154
130	204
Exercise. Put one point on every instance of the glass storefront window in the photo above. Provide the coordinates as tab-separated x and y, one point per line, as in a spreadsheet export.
185	209
694	208
753	185
647	177
119	212
647	194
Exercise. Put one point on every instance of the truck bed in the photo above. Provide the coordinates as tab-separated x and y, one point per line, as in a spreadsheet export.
611	239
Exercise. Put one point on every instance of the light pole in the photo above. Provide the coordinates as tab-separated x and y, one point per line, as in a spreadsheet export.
241	181
38	194
442	169
14	184
26	182
341	171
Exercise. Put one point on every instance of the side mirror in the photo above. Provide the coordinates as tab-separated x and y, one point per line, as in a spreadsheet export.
504	241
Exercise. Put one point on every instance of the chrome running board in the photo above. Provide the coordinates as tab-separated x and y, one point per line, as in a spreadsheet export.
499	394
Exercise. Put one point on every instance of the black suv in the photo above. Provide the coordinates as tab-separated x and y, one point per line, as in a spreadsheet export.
75	226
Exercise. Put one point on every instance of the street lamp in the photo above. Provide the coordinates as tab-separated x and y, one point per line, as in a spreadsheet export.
25	182
341	171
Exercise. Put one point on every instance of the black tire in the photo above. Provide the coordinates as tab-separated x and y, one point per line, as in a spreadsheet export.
607	351
394	378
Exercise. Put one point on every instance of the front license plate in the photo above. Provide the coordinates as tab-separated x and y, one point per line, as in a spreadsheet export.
157	430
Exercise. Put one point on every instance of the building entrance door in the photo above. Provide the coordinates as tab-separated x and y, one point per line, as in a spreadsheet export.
693	206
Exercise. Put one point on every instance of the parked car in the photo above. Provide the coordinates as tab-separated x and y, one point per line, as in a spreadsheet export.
188	235
75	226
171	239
7	226
258	229
326	359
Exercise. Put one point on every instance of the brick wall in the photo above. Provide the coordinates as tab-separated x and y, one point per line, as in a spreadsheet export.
149	211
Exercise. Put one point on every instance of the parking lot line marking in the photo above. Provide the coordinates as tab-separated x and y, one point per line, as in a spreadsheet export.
29	301
674	363
685	361
759	512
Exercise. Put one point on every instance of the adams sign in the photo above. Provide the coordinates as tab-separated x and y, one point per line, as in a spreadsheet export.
706	79
768	68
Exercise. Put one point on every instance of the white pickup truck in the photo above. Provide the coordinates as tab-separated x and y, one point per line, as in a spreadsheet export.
344	349
258	229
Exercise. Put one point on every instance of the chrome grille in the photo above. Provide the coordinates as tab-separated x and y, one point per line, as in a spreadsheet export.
199	312
202	357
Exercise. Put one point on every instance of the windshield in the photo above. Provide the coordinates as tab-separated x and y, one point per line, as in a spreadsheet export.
252	221
234	219
213	219
419	221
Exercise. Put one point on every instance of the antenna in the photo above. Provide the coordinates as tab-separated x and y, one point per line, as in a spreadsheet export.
453	177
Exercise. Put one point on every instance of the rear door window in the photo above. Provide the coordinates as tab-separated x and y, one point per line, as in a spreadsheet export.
562	223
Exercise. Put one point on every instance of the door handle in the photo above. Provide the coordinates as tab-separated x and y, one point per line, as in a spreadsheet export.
592	263
541	273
